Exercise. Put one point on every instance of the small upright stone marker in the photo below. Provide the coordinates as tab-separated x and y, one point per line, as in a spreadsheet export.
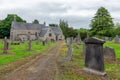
109	53
29	42
78	39
5	46
117	39
94	61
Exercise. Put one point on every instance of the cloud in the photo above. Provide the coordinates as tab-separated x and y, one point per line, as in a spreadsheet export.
77	12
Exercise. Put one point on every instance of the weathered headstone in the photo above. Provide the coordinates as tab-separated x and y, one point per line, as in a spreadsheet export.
84	49
109	53
37	38
43	43
29	42
117	40
78	39
70	49
94	61
5	45
87	35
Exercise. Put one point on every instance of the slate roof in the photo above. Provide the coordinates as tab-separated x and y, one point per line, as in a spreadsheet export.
43	32
56	30
26	26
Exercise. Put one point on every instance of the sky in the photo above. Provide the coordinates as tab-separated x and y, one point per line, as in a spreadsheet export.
77	13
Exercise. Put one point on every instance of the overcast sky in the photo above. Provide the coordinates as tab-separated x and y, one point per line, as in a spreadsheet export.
78	13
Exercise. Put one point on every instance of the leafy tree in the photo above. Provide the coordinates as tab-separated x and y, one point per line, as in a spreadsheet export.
102	23
83	33
5	24
117	29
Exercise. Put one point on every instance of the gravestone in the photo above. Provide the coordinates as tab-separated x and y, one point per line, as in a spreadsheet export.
5	45
94	61
78	39
37	38
70	49
87	35
29	41
109	53
43	43
84	49
117	39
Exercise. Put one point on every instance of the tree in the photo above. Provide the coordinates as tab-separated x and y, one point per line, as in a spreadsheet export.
5	24
36	21
83	33
102	23
117	30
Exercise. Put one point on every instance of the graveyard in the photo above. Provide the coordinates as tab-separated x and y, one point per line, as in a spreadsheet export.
60	40
74	69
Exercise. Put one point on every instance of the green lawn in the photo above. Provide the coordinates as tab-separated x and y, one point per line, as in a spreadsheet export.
74	71
18	51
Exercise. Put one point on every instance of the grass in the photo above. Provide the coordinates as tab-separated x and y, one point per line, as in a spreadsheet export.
19	51
74	71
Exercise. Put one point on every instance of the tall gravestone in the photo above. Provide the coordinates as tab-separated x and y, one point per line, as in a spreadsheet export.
70	49
94	61
78	39
29	41
5	45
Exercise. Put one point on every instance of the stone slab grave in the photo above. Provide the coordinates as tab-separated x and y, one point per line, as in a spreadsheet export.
109	53
70	49
117	39
94	60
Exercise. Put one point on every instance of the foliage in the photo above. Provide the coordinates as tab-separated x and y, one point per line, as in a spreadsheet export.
102	23
5	24
117	29
67	31
83	33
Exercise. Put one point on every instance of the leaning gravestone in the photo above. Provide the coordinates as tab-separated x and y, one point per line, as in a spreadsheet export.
94	61
5	45
109	53
117	39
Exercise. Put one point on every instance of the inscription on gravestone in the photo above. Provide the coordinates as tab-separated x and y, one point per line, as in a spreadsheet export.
94	61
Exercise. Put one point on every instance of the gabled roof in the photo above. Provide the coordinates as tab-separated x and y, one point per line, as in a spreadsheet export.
26	26
56	30
43	32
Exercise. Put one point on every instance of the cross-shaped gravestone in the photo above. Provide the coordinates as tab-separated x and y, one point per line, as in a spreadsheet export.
94	61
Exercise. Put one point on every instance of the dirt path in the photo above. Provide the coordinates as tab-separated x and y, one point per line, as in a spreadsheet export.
43	67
